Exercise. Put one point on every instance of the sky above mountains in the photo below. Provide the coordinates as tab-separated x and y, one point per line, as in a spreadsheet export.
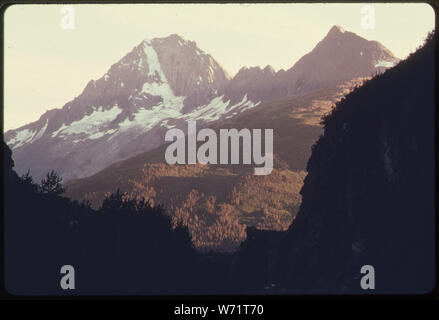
46	65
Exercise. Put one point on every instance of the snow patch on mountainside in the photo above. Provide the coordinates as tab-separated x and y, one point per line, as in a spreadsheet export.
160	86
145	119
98	135
89	124
152	60
218	108
21	137
26	136
163	90
42	130
385	64
209	111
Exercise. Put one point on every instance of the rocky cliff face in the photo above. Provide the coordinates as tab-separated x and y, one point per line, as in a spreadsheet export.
161	84
257	83
369	198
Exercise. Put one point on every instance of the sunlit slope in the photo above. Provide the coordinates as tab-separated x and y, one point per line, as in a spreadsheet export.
216	202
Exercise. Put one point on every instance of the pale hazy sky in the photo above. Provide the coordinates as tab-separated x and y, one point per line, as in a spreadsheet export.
47	66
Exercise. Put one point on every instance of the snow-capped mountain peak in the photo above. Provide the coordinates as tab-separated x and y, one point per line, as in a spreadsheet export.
159	84
163	82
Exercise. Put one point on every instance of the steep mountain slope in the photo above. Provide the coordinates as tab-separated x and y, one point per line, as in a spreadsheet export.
369	196
161	84
193	193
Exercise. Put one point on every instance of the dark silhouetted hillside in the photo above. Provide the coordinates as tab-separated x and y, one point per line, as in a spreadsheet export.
127	246
368	198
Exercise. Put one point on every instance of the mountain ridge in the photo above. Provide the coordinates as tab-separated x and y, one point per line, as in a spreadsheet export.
159	84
